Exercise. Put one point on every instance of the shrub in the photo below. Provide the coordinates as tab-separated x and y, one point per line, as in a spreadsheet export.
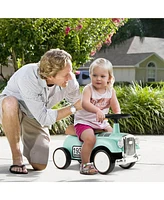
59	127
145	106
155	84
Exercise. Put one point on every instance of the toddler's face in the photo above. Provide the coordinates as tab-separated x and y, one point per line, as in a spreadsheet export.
100	77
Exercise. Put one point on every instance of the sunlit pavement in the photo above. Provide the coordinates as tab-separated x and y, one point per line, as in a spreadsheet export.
150	168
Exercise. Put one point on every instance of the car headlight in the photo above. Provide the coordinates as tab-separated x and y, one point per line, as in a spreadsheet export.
120	143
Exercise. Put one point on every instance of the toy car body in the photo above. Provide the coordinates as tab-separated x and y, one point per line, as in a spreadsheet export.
110	149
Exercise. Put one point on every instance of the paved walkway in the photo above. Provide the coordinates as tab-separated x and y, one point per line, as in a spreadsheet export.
149	169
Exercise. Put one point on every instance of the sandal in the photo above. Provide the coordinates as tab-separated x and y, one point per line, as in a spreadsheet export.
22	167
88	169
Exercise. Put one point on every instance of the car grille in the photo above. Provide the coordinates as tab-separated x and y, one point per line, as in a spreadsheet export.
129	146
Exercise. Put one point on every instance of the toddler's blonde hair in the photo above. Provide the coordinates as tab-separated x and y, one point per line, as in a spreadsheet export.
102	62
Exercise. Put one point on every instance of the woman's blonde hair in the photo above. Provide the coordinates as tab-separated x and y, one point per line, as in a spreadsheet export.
102	62
52	62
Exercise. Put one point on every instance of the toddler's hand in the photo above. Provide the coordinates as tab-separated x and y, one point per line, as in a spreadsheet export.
100	116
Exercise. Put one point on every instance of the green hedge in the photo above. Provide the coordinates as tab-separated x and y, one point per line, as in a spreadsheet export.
146	106
155	84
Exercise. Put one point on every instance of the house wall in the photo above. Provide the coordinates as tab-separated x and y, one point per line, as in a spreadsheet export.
124	73
6	71
160	70
160	74
141	70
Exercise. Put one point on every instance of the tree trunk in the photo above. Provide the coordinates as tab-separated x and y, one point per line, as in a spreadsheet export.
14	59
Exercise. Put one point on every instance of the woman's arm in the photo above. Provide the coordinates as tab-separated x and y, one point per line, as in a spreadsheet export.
66	111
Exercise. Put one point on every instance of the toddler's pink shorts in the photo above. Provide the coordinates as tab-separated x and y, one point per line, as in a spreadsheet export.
79	128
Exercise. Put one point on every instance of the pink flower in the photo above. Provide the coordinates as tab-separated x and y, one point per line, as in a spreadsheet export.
79	27
99	46
110	35
116	20
67	30
92	53
108	41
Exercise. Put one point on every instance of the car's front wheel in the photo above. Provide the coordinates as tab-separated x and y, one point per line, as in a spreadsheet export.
127	166
103	161
61	158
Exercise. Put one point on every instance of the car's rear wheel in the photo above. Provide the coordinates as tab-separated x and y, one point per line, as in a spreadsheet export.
127	166
103	161
61	158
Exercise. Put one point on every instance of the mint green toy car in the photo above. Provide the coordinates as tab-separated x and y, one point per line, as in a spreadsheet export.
110	149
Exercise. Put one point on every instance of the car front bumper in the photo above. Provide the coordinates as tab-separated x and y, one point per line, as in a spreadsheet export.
129	159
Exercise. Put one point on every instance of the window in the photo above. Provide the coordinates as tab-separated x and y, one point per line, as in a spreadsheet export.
151	72
77	76
85	75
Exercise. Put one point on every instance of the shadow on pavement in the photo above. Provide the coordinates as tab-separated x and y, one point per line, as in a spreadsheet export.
6	176
87	180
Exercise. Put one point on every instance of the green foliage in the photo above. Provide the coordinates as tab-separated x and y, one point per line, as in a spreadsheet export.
155	84
122	83
143	27
2	85
17	37
133	27
59	127
27	39
146	106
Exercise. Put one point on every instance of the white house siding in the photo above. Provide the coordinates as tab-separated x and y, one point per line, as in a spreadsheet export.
124	73
141	74
160	74
7	71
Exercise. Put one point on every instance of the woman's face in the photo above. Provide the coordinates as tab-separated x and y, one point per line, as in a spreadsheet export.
62	77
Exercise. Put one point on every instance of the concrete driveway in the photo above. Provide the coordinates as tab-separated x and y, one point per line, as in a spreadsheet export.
149	169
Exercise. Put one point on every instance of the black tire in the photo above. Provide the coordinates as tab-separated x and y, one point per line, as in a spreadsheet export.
61	158
103	161
127	166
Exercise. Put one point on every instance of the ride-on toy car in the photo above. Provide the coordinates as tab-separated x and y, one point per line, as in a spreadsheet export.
110	149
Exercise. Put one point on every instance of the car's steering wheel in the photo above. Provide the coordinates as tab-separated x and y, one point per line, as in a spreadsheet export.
116	117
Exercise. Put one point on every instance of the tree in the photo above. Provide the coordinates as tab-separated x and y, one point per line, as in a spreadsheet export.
143	27
17	37
133	27
27	39
153	27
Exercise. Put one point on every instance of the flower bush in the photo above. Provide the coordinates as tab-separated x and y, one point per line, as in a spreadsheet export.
27	39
